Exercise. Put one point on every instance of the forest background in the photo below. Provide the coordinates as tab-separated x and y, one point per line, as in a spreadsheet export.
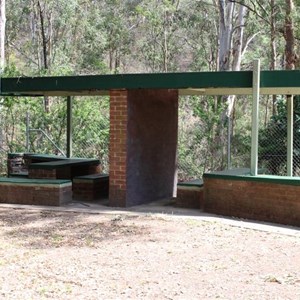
76	37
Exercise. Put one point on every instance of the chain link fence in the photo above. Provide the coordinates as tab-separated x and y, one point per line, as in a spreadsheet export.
26	127
208	142
12	130
202	138
190	150
272	147
91	129
296	153
273	143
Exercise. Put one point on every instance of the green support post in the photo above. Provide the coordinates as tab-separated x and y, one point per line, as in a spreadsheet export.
27	131
290	135
69	126
255	117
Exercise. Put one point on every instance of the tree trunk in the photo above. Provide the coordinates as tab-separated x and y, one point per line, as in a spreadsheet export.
225	34
231	45
44	38
238	40
225	46
273	47
290	61
237	51
2	48
45	50
2	34
230	57
290	54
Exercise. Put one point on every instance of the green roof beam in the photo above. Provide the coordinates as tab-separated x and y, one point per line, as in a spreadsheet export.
192	83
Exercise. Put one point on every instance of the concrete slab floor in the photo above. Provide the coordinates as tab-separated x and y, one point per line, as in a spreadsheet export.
163	208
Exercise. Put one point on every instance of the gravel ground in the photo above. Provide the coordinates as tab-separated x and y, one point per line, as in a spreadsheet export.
67	255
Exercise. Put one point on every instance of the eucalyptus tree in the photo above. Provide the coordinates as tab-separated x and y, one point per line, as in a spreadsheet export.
2	50
291	57
198	35
41	35
120	20
2	34
159	41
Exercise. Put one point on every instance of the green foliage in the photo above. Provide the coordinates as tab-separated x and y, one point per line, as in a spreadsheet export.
90	121
273	140
130	36
198	149
91	128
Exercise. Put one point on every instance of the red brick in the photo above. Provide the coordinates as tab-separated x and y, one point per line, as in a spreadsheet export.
118	140
254	200
38	194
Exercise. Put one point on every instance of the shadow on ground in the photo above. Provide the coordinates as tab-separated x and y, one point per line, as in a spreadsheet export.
48	229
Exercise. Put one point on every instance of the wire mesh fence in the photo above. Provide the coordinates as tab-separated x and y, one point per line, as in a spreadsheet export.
296	155
26	127
91	129
12	130
273	133
206	142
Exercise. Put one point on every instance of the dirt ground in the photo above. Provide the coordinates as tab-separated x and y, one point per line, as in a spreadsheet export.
67	255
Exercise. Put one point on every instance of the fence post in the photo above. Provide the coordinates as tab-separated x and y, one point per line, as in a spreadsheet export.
290	136
27	131
229	143
255	115
69	126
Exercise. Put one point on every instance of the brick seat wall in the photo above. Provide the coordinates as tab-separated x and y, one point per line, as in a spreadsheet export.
35	192
17	163
91	187
265	198
64	169
190	194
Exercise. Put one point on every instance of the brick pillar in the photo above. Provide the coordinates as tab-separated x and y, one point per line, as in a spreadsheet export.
117	148
143	144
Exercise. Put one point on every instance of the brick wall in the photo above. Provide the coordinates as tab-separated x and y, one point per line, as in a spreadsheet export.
90	189
35	194
117	147
42	174
67	172
265	201
190	197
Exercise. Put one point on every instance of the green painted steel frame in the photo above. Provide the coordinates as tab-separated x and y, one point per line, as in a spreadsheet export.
189	83
211	83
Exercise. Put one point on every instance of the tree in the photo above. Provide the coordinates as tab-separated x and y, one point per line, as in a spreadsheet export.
2	35
119	22
2	46
231	49
226	10
160	39
291	56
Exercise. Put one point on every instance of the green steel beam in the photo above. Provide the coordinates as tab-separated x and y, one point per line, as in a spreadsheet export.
207	83
95	83
280	78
